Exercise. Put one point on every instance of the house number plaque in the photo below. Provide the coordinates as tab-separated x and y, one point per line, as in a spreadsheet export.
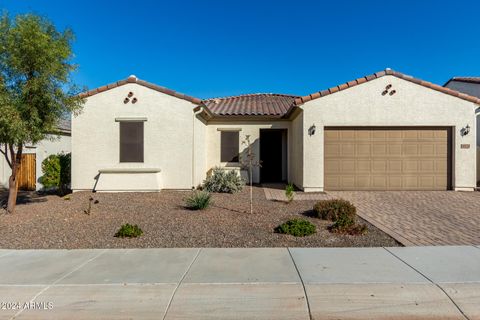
465	146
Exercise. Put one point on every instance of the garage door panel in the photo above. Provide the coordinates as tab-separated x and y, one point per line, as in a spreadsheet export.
387	158
348	166
348	150
363	150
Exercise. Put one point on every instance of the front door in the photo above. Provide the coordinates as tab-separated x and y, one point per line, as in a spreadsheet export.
271	155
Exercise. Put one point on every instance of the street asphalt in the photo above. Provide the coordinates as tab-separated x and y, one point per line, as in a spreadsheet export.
263	283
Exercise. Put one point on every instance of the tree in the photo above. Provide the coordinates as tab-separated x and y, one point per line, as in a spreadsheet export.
250	162
36	89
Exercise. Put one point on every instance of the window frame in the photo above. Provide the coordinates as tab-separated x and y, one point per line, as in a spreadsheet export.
122	156
236	158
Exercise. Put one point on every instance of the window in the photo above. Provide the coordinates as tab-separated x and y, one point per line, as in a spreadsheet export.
229	146
131	141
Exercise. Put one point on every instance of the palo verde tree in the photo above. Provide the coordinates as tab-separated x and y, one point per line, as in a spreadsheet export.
36	89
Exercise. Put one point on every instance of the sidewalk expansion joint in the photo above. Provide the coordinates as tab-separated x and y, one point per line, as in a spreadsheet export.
303	284
431	281
60	279
179	283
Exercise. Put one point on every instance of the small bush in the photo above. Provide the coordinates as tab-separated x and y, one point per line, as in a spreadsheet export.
297	228
129	231
289	192
198	200
223	181
335	209
56	172
355	229
342	213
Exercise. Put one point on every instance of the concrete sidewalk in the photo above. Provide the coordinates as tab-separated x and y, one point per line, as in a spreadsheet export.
281	283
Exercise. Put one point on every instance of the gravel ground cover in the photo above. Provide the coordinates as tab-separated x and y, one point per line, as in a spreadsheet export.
49	221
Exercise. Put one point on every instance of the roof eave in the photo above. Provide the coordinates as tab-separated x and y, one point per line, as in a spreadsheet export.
133	79
350	84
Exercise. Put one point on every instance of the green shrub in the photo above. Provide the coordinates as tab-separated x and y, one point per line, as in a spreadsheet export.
297	228
198	200
335	209
289	192
129	231
223	181
51	171
56	172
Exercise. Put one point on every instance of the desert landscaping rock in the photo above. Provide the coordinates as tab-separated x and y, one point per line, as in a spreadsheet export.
49	221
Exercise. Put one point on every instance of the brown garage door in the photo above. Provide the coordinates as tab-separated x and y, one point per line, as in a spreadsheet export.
387	158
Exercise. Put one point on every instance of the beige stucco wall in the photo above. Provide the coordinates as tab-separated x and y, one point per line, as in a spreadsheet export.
412	105
251	128
168	142
53	144
296	151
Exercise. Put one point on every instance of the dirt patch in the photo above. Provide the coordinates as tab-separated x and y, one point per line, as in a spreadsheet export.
52	222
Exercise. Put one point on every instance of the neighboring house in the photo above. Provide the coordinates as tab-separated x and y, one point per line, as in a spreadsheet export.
385	131
31	169
470	86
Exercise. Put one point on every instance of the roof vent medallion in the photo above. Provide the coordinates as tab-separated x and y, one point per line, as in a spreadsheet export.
387	90
128	97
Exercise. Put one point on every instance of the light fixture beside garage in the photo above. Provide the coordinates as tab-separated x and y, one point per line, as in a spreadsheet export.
311	130
465	130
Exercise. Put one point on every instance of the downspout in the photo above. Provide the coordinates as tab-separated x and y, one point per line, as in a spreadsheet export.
196	111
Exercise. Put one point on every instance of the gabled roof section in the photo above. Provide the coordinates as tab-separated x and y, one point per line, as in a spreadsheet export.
316	95
259	104
134	79
465	79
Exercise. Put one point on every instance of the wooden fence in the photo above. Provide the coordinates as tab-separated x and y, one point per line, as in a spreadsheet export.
27	175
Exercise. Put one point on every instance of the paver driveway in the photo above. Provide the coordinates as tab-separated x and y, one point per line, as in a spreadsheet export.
421	217
413	218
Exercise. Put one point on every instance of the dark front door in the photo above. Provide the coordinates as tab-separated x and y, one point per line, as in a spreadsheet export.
271	155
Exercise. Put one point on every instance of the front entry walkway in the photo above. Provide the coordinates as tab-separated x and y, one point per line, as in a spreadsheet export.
414	218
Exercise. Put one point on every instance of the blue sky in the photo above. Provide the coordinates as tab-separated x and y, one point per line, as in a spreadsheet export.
218	48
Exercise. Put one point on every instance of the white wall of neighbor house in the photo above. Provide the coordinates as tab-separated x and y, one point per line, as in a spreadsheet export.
168	141
252	128
52	144
411	105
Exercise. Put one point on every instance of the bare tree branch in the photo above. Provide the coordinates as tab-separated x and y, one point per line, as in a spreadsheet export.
12	157
5	153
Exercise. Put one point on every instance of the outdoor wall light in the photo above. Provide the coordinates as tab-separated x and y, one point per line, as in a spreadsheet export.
465	130
311	130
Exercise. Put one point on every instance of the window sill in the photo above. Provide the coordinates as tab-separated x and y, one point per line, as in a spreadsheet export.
129	170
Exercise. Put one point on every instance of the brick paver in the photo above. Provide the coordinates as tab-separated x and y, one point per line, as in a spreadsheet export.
411	217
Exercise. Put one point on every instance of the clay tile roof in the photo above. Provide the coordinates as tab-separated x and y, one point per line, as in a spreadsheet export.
466	79
302	100
259	104
134	79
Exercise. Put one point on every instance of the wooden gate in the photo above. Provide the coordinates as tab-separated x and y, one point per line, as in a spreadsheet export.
27	175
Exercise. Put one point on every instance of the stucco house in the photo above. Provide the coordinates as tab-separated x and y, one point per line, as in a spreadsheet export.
470	86
33	155
385	131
